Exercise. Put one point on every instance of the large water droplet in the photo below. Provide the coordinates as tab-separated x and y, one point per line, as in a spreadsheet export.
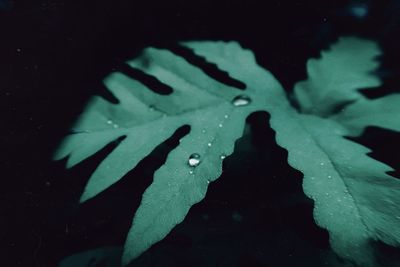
241	100
194	160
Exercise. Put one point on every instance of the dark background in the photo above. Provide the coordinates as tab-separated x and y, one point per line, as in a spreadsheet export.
53	56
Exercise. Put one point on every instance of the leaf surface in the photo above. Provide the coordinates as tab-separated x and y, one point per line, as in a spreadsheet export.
216	115
335	77
354	198
382	112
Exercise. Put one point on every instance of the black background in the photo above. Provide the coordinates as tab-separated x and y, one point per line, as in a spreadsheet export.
53	56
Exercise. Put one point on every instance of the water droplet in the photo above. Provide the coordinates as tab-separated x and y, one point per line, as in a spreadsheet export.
241	100
208	181
194	160
191	171
226	116
209	144
109	122
222	156
203	131
115	125
322	164
329	176
220	125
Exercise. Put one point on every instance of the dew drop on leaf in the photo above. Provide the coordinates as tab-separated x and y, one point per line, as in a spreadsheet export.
241	100
194	160
222	156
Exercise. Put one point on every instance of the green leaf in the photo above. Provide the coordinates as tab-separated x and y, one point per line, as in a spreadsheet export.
335	78
382	112
216	115
355	200
177	186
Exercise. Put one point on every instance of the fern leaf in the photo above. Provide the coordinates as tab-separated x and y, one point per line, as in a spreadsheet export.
383	112
355	200
335	78
214	111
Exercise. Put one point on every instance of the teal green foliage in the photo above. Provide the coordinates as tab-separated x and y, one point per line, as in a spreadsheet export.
355	199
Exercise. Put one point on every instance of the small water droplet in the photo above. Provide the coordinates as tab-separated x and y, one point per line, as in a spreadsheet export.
223	156
208	181
322	164
191	171
226	116
209	144
194	160
115	125
220	125
109	122
241	100
329	176
203	131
